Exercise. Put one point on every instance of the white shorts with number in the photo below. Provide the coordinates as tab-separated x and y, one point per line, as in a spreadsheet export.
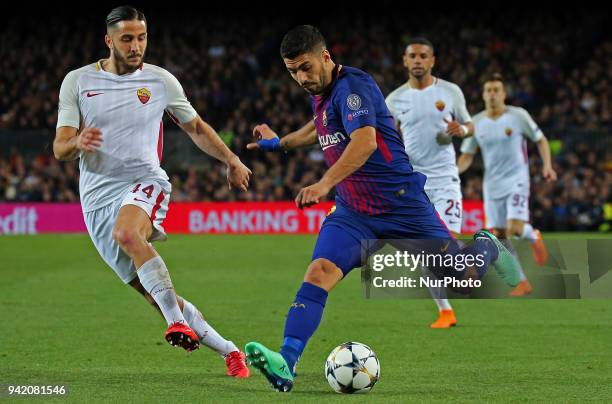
151	196
448	204
512	206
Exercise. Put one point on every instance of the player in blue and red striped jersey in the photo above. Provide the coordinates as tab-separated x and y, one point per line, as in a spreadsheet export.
378	194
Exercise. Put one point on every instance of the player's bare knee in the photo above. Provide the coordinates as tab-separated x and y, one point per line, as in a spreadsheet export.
322	273
121	237
129	240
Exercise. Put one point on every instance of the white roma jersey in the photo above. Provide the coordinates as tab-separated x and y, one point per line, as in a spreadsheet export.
128	109
504	149
423	116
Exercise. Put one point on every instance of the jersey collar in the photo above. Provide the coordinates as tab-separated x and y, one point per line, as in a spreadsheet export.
100	68
433	83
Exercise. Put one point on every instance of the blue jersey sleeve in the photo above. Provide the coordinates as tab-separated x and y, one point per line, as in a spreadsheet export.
354	100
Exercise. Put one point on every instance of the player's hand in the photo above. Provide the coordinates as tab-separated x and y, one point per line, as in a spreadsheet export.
89	139
549	174
238	174
454	128
264	138
311	195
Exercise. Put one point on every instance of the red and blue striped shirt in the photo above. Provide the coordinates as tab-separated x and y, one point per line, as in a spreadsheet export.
353	101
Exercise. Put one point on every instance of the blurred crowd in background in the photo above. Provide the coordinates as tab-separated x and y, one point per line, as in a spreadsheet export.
557	67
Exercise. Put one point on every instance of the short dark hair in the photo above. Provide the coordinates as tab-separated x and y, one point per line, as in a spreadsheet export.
420	40
300	40
494	77
124	13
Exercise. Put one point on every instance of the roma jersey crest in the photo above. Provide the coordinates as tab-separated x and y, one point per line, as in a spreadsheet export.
144	95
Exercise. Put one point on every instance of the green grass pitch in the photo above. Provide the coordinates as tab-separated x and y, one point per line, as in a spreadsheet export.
67	319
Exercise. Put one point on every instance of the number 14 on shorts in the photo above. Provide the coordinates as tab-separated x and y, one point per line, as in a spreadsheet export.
147	191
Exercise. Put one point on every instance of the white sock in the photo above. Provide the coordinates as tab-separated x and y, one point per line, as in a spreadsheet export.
155	278
443	304
437	293
528	233
208	335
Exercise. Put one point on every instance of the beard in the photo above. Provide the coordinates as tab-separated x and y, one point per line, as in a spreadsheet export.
316	88
312	89
418	73
493	104
124	64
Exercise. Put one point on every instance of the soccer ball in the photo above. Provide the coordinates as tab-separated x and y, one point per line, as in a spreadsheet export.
352	367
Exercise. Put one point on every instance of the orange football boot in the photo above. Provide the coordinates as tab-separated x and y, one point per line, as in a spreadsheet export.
446	319
522	289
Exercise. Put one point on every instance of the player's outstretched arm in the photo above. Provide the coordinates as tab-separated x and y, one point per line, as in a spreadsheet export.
464	162
548	172
207	139
264	138
68	143
360	148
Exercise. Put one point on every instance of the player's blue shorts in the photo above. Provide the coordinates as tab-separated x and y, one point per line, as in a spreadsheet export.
340	237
